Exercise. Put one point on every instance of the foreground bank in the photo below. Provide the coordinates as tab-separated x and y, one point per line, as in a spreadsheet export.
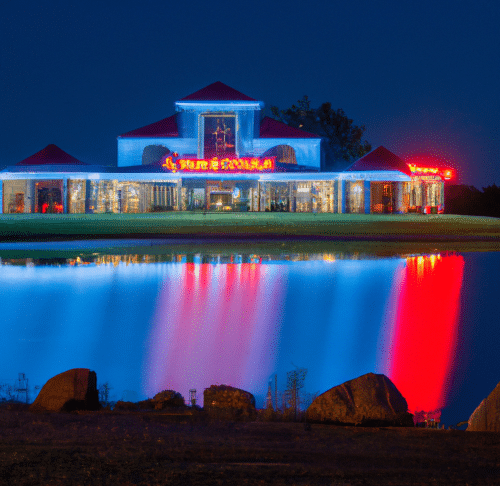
206	225
154	448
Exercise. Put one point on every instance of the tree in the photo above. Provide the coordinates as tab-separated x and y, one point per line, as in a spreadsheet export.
294	382
104	390
343	142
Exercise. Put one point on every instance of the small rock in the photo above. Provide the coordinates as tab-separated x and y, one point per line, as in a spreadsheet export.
125	406
227	402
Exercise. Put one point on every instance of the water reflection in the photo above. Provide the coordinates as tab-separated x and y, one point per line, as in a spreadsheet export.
184	320
215	324
423	343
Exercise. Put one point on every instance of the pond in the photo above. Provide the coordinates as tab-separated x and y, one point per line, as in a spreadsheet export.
170	317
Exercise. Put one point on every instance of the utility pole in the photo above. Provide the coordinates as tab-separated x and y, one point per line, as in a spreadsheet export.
22	386
295	381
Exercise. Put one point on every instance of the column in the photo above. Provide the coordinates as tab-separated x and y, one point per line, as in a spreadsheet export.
342	202
65	196
398	197
367	195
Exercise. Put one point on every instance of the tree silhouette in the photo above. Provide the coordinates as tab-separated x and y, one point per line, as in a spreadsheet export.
343	142
294	382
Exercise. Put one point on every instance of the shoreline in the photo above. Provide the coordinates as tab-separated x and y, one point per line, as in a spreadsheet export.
61	247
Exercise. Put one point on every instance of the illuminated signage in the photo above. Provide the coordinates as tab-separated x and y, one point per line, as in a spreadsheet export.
445	174
215	164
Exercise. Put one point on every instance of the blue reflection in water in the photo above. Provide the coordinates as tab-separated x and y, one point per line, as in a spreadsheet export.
335	318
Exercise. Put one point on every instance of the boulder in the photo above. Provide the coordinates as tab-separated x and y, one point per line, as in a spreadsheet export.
74	389
124	406
369	400
227	402
486	417
168	399
148	404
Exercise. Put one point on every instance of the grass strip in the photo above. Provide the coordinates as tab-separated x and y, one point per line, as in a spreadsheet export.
407	227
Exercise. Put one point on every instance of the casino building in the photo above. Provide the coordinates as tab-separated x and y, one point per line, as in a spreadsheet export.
216	153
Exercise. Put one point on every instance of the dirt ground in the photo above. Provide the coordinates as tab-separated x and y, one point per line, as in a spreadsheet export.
125	448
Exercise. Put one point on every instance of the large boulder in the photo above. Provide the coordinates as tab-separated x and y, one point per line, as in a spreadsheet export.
74	389
486	417
369	400
227	402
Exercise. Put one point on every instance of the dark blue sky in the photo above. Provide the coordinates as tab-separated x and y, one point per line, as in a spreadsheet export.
422	76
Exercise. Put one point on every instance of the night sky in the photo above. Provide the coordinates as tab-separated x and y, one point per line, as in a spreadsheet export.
422	76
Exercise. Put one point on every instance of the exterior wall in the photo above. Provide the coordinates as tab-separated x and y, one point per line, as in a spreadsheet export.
130	149
281	192
190	120
307	150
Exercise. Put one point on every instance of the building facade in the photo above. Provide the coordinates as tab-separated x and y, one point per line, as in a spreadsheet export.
217	154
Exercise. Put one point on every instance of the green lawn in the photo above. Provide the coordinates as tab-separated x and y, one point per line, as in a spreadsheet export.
408	227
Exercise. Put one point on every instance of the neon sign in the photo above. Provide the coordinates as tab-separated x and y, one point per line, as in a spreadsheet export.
445	174
248	164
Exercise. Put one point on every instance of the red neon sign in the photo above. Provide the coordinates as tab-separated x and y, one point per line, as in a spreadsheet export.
445	174
247	164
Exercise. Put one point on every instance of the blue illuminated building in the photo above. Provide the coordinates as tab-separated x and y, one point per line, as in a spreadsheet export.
216	153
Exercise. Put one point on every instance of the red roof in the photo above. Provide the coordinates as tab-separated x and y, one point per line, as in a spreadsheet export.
271	128
217	92
380	159
163	128
51	155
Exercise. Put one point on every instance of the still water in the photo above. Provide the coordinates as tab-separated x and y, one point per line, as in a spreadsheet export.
182	320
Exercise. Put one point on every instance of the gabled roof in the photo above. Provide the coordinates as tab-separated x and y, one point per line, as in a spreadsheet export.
163	128
380	159
217	92
51	155
271	128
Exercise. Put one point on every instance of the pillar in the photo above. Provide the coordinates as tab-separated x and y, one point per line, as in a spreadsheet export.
398	200
65	196
367	195
342	202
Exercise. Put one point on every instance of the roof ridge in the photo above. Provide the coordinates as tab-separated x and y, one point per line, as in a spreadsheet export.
217	91
51	155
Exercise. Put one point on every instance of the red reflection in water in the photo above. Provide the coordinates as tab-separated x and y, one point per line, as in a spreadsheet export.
426	329
213	325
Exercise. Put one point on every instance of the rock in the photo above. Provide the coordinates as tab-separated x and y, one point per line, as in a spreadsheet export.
369	400
486	417
121	405
148	404
227	402
74	389
168	398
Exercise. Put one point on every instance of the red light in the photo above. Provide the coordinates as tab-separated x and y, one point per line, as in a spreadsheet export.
426	329
419	170
248	164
